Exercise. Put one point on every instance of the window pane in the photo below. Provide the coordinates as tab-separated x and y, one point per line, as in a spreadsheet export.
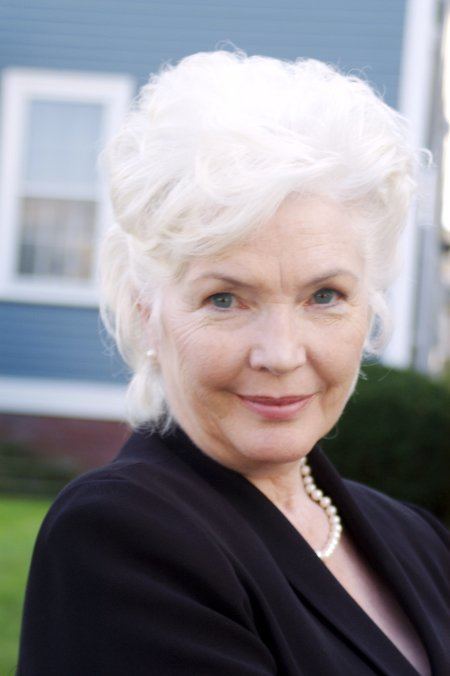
56	238
62	143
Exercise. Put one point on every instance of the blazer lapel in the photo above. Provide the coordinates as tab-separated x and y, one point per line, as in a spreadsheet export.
382	558
313	581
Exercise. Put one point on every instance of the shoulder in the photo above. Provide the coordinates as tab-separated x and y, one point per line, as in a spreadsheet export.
137	486
105	530
397	512
402	512
115	507
410	530
117	551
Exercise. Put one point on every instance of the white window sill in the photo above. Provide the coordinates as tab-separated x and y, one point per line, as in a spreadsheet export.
67	399
58	293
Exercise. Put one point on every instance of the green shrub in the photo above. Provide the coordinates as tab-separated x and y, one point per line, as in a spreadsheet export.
395	436
24	472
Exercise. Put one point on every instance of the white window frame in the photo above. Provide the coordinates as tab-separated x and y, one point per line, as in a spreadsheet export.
19	86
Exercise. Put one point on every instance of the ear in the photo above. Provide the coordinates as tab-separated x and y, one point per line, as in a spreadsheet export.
144	311
149	331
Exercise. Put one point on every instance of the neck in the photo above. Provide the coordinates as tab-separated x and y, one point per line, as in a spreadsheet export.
309	511
283	485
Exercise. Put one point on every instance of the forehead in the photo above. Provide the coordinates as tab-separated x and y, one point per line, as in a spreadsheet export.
305	236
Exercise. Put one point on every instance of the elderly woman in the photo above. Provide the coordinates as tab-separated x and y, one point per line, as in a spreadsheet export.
258	205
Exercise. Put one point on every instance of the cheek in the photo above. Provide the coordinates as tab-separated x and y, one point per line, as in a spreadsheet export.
337	352
207	368
202	359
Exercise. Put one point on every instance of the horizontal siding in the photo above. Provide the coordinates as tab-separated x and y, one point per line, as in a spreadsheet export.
136	37
56	342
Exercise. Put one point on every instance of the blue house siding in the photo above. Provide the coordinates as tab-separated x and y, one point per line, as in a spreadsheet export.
135	37
39	341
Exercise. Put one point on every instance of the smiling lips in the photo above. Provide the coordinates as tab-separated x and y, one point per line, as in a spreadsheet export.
276	408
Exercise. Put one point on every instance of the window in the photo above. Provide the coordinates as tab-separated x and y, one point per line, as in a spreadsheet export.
52	202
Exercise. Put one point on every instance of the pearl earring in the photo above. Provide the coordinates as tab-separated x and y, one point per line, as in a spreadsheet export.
151	354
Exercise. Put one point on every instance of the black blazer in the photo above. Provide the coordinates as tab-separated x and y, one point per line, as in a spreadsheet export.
165	562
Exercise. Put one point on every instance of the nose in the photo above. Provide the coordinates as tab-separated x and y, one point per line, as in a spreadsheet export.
279	343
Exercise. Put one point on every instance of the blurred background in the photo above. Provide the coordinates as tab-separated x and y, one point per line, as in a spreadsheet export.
68	71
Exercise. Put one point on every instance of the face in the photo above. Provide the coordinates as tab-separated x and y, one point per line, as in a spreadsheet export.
260	347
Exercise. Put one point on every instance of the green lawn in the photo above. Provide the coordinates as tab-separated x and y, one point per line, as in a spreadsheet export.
20	519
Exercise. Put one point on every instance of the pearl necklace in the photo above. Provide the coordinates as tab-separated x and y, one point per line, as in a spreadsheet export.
334	534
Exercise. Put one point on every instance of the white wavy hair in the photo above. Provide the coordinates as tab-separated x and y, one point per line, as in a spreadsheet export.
211	149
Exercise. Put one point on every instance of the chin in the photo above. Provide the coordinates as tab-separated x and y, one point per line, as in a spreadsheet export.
276	442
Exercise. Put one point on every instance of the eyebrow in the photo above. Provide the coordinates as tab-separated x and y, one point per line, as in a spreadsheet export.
338	272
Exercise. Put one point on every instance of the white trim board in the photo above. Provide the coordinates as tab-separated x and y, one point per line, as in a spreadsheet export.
414	102
67	399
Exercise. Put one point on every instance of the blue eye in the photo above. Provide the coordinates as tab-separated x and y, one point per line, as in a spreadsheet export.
325	296
222	300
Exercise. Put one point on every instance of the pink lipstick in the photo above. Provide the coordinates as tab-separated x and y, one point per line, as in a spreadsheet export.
276	408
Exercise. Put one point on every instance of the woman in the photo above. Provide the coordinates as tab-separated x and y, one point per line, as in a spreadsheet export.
258	206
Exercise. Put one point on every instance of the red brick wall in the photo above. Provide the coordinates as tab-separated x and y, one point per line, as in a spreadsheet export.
88	443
